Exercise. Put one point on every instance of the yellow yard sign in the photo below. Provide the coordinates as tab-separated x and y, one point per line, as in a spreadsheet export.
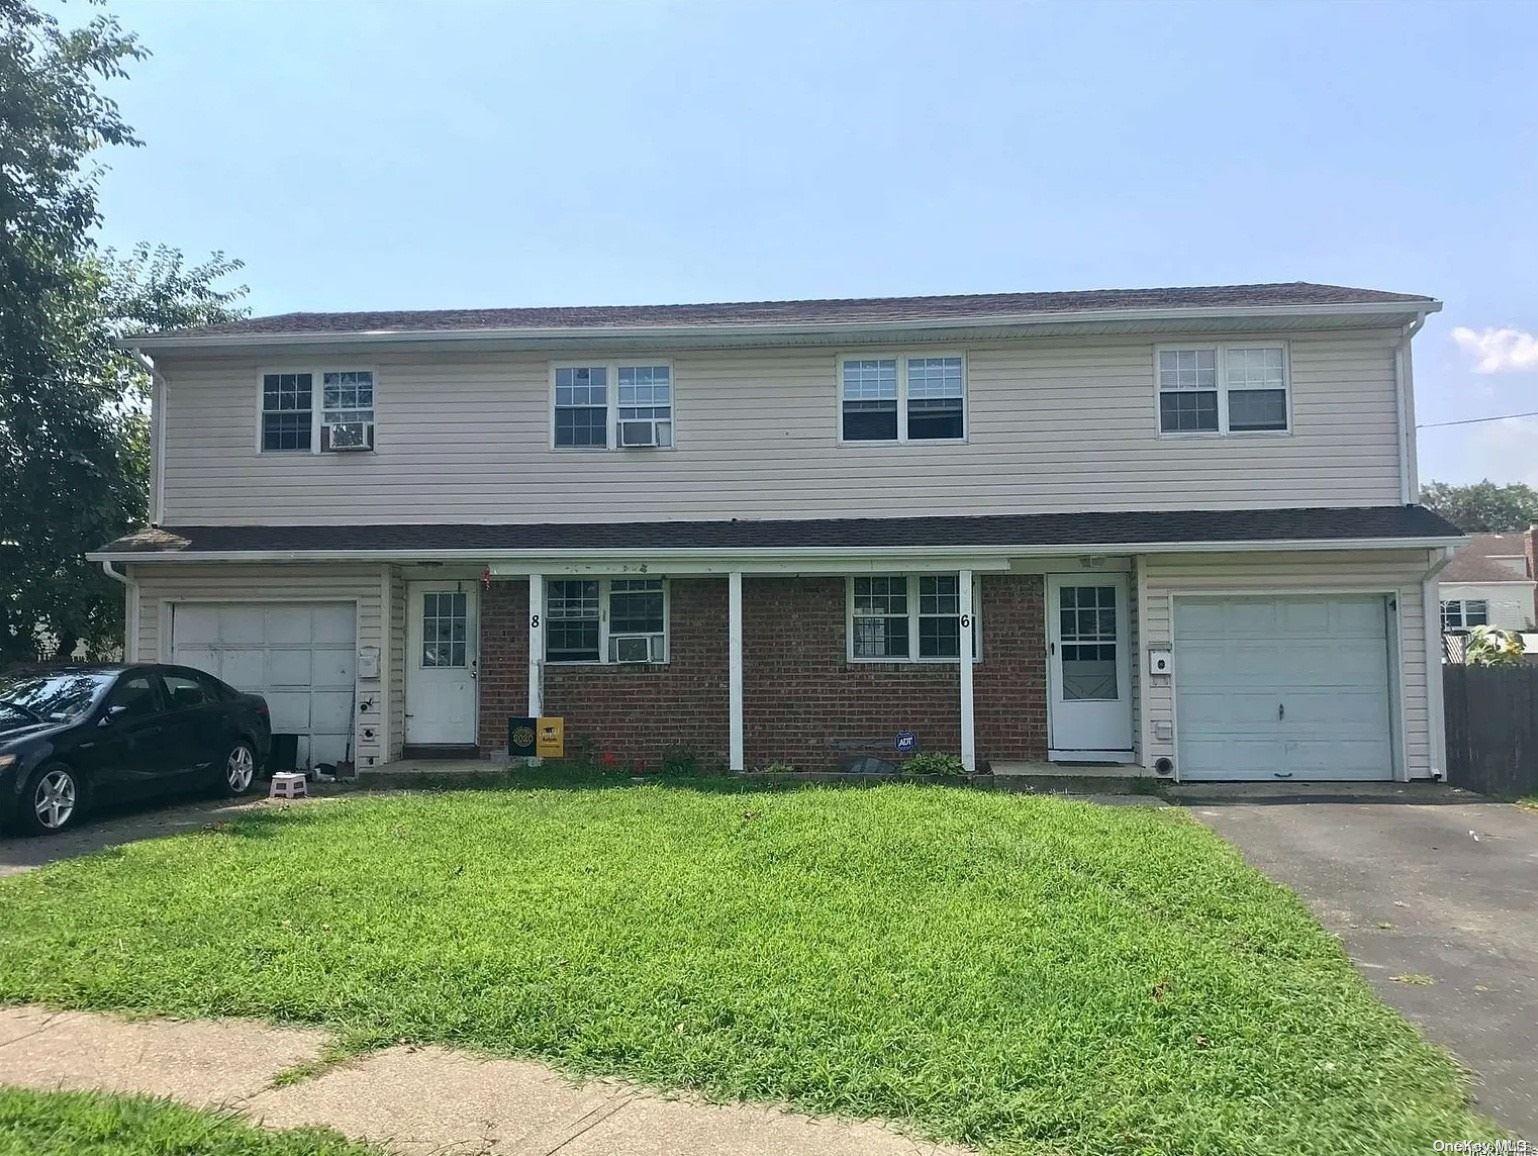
550	738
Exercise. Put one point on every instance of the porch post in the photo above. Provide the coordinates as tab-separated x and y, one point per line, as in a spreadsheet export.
536	644
968	625
734	665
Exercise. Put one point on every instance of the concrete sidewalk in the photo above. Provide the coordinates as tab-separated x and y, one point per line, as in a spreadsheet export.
415	1101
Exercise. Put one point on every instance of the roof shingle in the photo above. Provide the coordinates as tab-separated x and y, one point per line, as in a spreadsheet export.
1481	560
1164	527
830	311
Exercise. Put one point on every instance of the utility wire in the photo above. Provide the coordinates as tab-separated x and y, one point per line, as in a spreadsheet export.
1473	420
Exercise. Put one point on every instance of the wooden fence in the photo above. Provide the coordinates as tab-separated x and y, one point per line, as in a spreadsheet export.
1492	728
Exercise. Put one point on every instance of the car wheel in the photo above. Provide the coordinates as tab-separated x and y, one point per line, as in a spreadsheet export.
52	801
238	770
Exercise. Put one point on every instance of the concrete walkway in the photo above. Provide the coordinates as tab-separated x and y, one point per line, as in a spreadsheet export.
1434	894
416	1101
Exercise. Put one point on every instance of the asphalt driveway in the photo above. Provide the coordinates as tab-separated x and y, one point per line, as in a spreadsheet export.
1433	892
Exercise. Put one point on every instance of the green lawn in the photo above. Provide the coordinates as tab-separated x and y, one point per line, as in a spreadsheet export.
1026	974
91	1124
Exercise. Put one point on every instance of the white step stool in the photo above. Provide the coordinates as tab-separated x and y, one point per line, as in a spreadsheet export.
288	785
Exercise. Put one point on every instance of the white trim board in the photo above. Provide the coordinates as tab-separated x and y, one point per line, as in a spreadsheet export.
772	559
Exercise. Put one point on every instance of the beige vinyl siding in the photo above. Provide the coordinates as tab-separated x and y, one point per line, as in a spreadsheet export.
159	585
1059	424
1396	572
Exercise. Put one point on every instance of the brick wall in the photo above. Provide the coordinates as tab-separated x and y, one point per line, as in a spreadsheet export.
637	712
803	702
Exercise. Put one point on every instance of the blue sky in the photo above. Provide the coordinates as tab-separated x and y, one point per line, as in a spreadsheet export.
393	155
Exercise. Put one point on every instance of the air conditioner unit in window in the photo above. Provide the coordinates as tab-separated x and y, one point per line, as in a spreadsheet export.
347	436
635	648
638	434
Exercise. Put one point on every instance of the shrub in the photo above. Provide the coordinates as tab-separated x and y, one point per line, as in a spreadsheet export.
1490	646
680	761
779	769
934	763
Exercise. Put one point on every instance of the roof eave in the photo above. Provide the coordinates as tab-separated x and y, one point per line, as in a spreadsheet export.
609	334
777	553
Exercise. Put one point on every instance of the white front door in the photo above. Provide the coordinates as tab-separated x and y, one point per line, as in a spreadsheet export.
441	657
1089	700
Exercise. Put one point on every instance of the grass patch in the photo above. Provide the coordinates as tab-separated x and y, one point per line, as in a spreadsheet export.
1029	974
94	1124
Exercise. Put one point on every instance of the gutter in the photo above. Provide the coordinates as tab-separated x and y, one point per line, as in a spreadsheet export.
157	429
1404	388
777	553
612	333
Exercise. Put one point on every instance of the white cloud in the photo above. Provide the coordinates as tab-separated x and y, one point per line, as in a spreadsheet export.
1499	350
1506	451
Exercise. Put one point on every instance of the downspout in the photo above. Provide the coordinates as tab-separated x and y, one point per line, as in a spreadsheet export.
1431	604
1404	388
157	432
130	611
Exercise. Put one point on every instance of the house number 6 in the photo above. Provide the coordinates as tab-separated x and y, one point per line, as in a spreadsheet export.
966	621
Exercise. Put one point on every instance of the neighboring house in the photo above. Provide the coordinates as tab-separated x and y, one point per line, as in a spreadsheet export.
1174	528
1490	582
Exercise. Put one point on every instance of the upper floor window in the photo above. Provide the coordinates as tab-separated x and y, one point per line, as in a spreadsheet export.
1465	613
606	620
347	413
287	410
341	419
902	399
906	617
614	406
1240	388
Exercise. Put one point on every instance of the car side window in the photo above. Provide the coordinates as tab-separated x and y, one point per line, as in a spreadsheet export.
135	694
183	691
213	689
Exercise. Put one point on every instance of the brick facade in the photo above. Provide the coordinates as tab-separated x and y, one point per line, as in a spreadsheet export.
804	703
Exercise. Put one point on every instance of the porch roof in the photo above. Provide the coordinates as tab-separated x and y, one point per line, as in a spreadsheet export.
1090	532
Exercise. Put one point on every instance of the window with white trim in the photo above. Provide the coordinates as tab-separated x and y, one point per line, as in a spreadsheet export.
904	398
287	402
1226	388
907	618
1465	613
347	410
606	620
618	405
294	419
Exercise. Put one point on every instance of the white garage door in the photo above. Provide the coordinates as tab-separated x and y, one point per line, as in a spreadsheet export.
298	656
1288	688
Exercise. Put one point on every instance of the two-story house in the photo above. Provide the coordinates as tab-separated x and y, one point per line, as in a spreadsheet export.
1168	528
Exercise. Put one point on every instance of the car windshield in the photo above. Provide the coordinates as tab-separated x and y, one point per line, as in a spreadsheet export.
49	697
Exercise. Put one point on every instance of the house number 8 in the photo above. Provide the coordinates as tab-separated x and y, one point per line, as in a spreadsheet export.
534	622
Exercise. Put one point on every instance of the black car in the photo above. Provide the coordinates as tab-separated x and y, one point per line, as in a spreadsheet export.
74	735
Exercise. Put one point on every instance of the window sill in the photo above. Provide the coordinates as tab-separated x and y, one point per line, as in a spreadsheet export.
906	663
1219	435
909	442
601	664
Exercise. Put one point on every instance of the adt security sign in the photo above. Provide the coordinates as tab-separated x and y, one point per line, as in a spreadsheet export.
907	742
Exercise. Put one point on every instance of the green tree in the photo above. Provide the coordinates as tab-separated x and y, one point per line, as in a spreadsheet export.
73	421
1483	507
